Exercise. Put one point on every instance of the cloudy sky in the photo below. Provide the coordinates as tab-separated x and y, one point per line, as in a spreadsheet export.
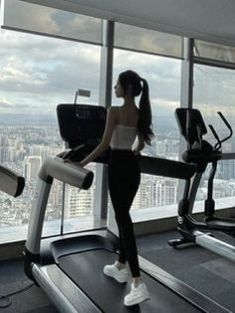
38	72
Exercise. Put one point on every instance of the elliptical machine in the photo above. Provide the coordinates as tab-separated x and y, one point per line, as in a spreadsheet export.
201	153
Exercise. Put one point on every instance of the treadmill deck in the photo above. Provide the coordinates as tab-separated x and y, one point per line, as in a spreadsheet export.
85	269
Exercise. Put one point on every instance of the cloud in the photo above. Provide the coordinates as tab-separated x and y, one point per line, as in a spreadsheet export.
44	71
163	74
48	20
29	16
214	89
39	72
4	103
147	40
15	76
78	26
45	65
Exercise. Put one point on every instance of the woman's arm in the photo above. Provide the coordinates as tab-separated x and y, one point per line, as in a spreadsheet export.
109	127
140	145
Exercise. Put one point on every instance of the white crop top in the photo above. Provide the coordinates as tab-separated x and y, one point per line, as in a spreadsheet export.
123	137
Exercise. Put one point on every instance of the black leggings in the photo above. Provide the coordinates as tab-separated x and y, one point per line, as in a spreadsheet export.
124	179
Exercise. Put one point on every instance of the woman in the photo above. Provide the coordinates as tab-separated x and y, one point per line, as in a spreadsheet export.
123	125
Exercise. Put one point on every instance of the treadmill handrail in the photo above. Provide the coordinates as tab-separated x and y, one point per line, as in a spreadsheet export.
71	173
166	168
11	182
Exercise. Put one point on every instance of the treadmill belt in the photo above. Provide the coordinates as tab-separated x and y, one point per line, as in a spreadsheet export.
86	270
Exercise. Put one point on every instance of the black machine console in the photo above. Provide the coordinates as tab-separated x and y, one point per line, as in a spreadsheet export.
81	127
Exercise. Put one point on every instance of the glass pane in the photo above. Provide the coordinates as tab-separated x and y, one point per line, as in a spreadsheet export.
36	74
30	17
163	76
214	91
79	205
145	40
214	51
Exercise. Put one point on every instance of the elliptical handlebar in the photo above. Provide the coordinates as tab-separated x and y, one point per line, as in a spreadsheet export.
199	134
219	142
228	126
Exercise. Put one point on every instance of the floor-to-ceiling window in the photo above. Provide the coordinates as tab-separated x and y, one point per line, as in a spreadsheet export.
214	79
46	56
37	73
156	57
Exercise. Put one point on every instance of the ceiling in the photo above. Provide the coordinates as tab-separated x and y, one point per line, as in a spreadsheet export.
210	20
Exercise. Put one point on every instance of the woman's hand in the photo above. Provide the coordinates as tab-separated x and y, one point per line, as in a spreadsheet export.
67	161
76	163
136	152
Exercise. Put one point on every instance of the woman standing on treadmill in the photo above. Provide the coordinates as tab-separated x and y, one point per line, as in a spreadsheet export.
123	125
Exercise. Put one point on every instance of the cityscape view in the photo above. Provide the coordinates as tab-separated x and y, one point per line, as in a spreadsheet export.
23	148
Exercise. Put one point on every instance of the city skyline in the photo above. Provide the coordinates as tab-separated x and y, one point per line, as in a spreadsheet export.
20	146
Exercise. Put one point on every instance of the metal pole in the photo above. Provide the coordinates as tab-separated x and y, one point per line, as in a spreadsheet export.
186	97
187	74
105	99
62	210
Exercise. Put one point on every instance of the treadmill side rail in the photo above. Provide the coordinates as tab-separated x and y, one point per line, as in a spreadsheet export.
191	295
62	291
215	245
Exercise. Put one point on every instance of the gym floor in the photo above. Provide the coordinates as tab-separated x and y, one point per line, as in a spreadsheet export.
199	268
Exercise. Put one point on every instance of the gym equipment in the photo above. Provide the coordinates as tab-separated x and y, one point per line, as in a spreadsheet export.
70	271
10	182
201	153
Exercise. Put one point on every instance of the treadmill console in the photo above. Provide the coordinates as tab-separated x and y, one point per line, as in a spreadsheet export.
81	127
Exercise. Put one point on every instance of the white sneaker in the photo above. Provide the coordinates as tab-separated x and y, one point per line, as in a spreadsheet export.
119	275
137	295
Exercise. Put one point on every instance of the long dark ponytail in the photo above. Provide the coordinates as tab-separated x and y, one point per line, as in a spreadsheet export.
145	119
131	78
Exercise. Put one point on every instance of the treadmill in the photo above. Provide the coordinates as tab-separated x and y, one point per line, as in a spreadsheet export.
70	270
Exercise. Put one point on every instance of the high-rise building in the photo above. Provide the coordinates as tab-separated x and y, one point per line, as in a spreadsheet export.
146	195
166	192
33	164
4	154
3	141
78	202
227	169
55	198
36	149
